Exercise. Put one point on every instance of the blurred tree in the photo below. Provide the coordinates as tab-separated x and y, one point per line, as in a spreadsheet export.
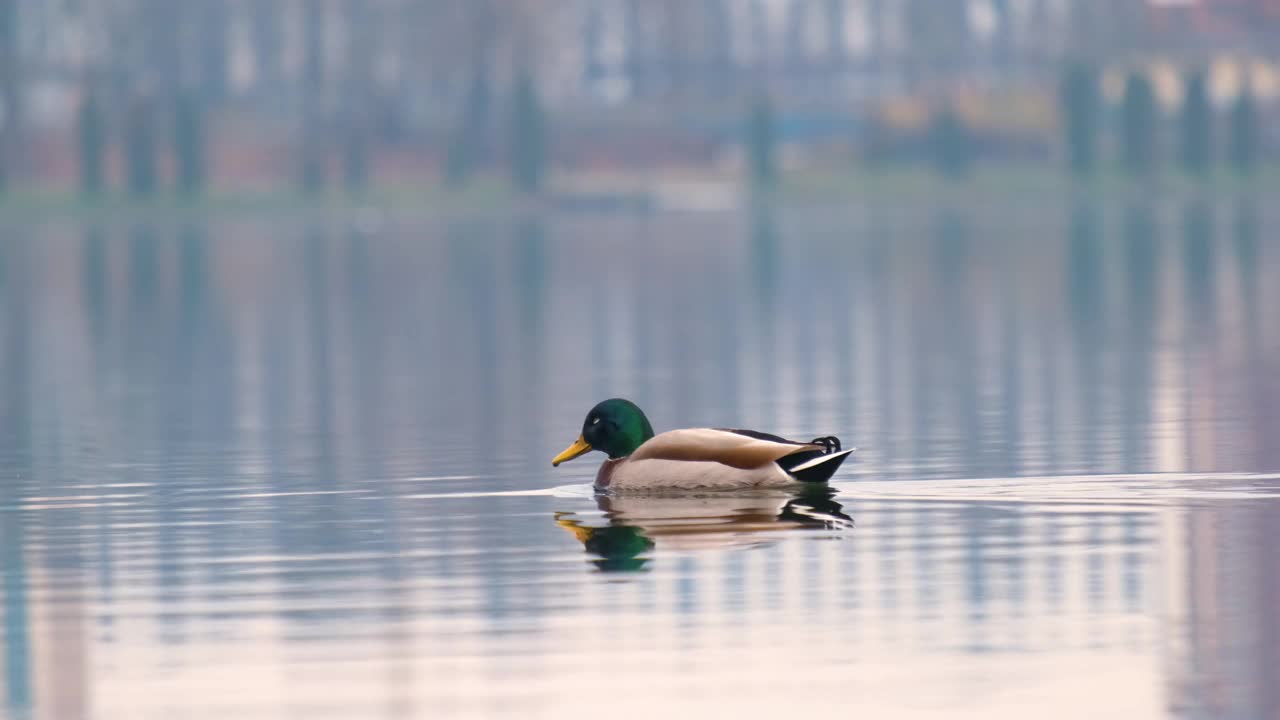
1197	126
636	55
837	50
1003	43
358	105
758	32
10	90
469	137
940	42
952	146
1107	29
189	142
876	25
355	157
761	142
1139	141
593	46
214	46
1080	107
797	16
159	22
528	135
719	40
876	144
140	144
92	141
1084	30
1245	145
267	35
677	31
469	145
313	154
457	161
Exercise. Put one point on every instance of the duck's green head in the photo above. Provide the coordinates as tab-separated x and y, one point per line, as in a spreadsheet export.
615	427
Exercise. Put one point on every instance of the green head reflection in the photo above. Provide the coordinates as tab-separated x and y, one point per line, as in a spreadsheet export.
620	547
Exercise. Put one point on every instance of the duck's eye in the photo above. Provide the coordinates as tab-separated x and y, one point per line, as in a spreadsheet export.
595	421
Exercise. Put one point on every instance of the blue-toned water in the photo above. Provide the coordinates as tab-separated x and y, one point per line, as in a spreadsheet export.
292	469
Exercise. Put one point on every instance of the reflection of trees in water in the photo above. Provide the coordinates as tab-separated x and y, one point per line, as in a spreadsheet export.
368	462
1248	256
147	422
807	331
766	269
1224	592
1087	303
170	368
982	577
474	335
1141	266
94	280
144	269
475	255
15	443
319	350
980	524
531	285
843	309
797	319
280	392
1199	265
365	342
957	376
880	268
1201	354
203	349
1084	267
969	321
1259	361
1008	457
955	361
643	323
321	451
534	333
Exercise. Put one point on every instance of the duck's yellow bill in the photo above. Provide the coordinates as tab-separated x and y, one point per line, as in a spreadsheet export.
579	447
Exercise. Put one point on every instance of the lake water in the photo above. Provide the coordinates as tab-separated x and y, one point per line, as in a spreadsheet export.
281	469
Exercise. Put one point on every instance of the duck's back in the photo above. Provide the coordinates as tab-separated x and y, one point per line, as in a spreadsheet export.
740	449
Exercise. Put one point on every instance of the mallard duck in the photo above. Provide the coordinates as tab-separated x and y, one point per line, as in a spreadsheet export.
696	458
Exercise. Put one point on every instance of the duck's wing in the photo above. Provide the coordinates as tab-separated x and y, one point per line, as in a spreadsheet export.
744	449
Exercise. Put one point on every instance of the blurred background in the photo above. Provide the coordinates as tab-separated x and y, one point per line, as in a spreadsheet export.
298	298
608	98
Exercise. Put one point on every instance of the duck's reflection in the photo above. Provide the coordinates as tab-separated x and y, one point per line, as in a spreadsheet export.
635	524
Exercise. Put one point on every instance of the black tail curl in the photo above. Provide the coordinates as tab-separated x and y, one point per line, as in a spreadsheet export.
830	443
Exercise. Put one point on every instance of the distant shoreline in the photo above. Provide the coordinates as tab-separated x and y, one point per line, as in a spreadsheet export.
640	192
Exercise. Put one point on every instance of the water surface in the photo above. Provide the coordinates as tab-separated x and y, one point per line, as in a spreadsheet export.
261	469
